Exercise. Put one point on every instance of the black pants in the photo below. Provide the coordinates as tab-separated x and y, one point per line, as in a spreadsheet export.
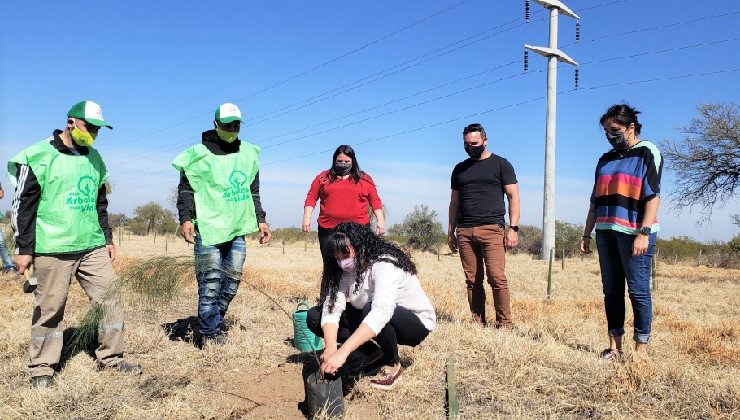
404	328
326	256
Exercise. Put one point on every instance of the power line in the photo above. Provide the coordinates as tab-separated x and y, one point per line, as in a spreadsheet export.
315	99
660	51
488	111
175	145
335	59
368	80
375	74
326	63
476	114
414	65
652	28
372	78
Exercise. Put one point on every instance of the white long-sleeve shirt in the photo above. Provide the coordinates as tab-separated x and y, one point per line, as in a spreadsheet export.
385	286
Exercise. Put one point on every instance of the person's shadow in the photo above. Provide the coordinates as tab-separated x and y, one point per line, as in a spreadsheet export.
71	347
184	329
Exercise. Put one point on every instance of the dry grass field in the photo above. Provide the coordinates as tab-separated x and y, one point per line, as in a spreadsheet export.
548	366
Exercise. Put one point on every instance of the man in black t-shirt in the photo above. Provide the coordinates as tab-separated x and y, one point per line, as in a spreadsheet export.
477	224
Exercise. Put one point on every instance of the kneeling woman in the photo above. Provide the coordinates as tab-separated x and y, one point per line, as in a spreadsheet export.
386	302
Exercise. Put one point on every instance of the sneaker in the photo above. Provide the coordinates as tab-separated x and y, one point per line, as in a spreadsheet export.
43	381
386	380
125	367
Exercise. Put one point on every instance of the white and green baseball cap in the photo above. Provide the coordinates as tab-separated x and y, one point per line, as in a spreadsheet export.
227	113
90	112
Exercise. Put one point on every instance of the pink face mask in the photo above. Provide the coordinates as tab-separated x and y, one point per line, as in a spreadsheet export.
347	264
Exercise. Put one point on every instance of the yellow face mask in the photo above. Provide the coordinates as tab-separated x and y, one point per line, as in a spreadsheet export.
83	138
227	136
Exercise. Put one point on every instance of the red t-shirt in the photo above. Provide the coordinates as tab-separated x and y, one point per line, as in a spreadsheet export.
343	200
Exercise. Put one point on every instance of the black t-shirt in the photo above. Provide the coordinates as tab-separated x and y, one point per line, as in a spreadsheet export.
481	187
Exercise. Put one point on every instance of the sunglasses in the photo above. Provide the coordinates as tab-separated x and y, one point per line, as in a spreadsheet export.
91	127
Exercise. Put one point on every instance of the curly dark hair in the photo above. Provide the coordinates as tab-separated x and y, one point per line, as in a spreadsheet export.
369	249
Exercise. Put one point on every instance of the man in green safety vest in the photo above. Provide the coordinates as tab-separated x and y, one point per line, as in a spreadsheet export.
60	219
220	178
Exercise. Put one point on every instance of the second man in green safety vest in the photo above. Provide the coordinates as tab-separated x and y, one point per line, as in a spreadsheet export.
60	219
220	179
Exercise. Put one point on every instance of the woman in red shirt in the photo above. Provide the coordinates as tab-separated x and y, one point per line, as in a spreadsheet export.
345	193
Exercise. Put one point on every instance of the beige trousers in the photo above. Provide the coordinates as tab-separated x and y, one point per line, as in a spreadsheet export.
94	271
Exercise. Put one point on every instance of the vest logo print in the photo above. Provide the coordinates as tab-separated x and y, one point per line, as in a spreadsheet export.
238	190
85	198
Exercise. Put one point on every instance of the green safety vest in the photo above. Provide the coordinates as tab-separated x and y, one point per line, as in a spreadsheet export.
67	215
221	185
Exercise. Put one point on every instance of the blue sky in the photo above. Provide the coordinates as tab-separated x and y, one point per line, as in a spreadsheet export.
397	80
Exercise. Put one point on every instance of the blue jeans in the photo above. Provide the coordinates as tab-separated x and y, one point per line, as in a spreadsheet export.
617	263
218	269
4	254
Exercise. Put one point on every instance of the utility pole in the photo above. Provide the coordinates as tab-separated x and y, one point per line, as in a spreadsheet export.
553	55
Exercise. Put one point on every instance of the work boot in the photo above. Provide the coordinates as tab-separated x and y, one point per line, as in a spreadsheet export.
125	367
43	381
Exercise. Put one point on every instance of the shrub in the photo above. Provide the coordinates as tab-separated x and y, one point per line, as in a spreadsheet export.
138	226
421	229
530	240
568	238
711	254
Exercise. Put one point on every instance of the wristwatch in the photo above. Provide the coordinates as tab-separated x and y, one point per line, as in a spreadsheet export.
645	230
514	228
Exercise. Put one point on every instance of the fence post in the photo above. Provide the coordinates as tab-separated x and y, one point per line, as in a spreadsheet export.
166	241
453	405
562	259
549	275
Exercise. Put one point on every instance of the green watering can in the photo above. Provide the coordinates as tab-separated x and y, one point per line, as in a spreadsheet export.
303	339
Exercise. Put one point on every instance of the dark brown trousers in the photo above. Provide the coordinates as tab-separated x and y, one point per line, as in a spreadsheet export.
483	247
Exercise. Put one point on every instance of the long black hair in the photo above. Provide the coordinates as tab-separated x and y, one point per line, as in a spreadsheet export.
622	114
369	248
355	173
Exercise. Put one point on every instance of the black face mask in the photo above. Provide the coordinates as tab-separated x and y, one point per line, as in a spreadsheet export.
342	169
475	151
617	140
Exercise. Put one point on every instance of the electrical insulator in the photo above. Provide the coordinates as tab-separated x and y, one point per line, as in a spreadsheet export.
578	31
526	60
526	10
576	78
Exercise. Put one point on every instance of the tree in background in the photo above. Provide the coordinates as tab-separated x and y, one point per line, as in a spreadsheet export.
117	219
567	238
421	228
152	218
167	224
707	161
